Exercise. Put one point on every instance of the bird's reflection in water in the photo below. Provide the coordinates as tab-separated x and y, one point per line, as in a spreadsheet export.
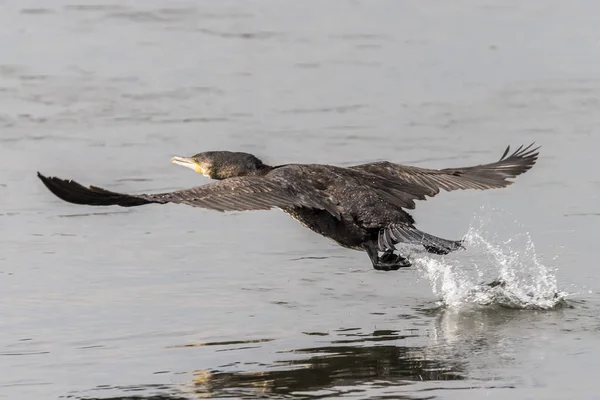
353	362
339	368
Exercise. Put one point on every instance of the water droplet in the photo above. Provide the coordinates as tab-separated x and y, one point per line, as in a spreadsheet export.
518	278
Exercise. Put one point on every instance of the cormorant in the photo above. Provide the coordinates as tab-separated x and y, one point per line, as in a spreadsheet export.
360	207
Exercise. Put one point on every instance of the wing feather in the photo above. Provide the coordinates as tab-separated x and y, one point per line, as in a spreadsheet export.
234	194
481	177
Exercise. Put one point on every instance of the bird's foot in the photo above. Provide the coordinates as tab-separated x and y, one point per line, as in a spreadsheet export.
391	262
388	257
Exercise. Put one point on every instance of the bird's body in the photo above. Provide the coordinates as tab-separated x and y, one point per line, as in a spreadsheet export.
361	207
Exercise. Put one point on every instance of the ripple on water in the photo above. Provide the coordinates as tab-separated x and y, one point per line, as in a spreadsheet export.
344	361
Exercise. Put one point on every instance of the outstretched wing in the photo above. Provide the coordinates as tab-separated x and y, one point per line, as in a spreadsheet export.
486	176
234	194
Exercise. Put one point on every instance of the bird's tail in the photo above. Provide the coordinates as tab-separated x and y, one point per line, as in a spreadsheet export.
401	233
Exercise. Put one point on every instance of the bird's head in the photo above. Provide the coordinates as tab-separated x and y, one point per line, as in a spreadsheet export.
222	164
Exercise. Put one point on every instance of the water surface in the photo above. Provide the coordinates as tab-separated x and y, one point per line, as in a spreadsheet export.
169	302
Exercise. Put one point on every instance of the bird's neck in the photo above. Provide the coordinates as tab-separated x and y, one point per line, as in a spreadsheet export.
262	170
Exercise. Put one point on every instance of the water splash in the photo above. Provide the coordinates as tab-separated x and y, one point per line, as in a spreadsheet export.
517	278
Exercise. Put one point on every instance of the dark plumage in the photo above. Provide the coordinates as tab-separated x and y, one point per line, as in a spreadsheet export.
360	207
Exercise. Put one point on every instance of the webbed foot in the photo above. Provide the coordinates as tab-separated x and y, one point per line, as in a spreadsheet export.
391	262
388	261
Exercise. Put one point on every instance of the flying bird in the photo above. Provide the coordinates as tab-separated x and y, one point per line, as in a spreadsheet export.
362	207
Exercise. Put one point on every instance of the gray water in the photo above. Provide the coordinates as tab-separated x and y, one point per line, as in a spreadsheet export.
170	302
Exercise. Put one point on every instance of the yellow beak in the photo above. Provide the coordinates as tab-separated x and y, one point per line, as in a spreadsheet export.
188	163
